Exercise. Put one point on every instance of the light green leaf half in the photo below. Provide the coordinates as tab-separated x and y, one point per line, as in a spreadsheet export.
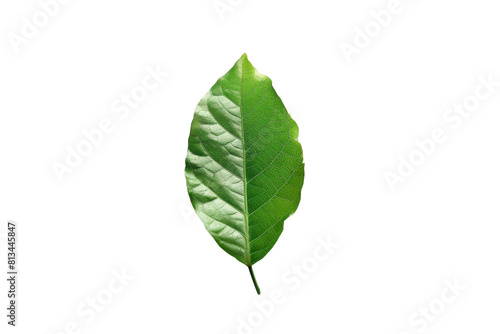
244	166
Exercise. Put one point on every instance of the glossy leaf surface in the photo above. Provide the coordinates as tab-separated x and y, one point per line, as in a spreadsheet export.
244	166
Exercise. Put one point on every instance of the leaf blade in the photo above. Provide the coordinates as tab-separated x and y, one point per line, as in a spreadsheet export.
244	167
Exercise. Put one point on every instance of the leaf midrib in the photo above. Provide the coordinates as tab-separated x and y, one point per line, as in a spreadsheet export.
245	197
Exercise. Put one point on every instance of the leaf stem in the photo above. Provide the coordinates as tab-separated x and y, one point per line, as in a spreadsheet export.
254	280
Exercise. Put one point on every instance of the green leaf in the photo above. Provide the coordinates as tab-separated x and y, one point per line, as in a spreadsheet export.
244	166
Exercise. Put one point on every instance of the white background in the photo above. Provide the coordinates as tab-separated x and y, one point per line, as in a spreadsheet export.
126	204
